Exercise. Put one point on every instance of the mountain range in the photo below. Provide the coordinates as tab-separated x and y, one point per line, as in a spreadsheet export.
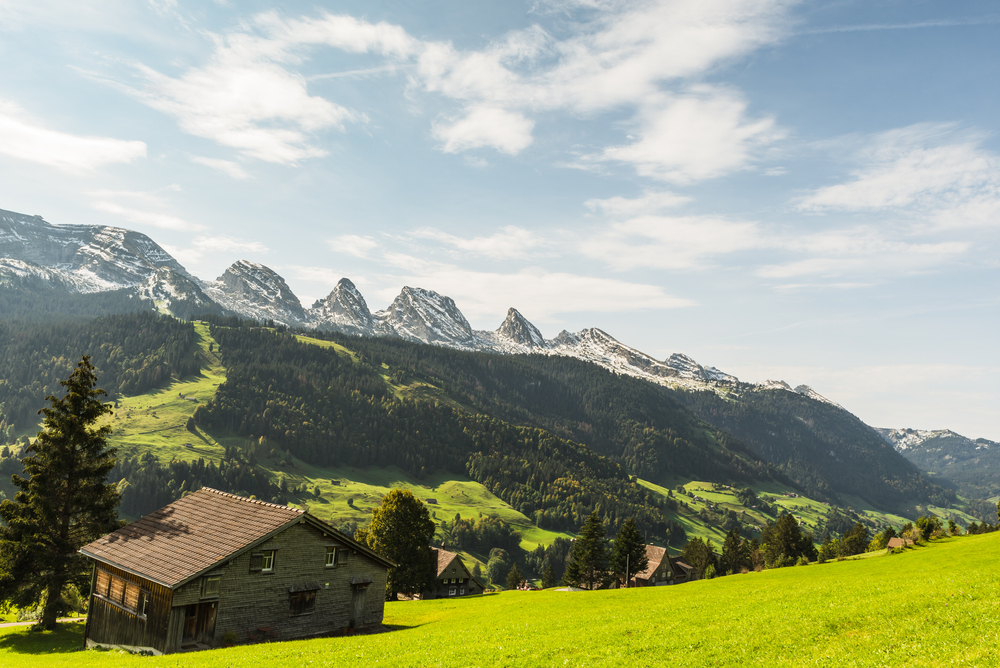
89	260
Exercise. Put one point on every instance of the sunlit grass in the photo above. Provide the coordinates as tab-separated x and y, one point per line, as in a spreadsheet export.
931	606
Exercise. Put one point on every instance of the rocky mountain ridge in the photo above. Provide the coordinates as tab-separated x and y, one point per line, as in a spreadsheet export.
91	258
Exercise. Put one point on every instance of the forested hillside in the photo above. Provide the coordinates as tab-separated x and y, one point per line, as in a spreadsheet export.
823	448
634	422
328	409
132	353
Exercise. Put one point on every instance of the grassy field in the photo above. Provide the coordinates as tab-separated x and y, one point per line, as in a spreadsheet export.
930	606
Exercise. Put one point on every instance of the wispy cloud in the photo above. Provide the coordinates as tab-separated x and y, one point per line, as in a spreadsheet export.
25	138
511	242
932	171
916	25
229	167
353	244
144	217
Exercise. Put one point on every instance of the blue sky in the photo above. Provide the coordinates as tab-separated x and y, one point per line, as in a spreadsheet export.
784	190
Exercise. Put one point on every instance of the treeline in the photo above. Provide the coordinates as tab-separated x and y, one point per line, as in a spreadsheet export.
132	353
825	450
147	485
32	299
328	410
631	421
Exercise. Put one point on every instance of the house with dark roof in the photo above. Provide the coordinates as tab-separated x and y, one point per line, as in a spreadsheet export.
658	570
453	578
213	566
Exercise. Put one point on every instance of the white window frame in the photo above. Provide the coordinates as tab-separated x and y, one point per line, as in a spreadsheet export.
331	557
267	561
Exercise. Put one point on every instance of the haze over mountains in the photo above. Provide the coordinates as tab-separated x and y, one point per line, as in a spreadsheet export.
94	259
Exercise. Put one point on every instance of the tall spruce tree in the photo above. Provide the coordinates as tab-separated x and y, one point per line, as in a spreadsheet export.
628	555
64	501
402	529
588	566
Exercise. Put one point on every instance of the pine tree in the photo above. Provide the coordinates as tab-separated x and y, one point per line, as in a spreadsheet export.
63	503
402	529
735	554
514	578
628	556
588	566
548	577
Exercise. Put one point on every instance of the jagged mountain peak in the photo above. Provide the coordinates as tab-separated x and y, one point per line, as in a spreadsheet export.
517	329
93	258
344	308
256	291
423	315
807	391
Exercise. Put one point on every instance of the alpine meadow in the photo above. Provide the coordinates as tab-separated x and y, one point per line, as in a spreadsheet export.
537	333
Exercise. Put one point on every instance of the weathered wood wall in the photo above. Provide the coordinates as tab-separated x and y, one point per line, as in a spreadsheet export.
111	624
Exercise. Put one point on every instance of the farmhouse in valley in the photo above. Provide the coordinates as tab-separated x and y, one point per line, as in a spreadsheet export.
214	567
662	569
453	578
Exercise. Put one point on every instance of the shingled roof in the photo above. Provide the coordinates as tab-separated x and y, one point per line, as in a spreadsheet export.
444	557
655	556
191	535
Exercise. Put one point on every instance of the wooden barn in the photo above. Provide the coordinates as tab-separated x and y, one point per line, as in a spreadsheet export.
214	567
453	578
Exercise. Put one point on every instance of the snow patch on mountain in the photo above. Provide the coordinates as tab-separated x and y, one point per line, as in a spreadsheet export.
255	291
423	315
906	439
807	391
343	309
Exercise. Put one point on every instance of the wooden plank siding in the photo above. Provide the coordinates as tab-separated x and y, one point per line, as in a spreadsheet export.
109	623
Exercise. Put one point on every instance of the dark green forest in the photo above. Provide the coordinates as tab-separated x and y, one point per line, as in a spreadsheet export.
326	409
823	448
132	353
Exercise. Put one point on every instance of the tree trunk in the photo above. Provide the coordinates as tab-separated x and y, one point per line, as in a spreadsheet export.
53	604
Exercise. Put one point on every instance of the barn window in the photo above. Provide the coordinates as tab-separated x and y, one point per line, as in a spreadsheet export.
103	583
143	603
117	590
341	556
302	602
262	562
331	556
211	586
131	596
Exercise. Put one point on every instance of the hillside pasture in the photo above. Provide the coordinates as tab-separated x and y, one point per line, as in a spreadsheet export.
929	606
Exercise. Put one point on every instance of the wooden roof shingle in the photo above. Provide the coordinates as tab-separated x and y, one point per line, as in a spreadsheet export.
190	535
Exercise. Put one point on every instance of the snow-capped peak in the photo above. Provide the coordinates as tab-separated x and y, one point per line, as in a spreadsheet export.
424	315
517	329
256	291
344	308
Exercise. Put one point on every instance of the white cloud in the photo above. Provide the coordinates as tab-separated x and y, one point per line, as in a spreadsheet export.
861	251
506	131
510	242
225	166
136	216
26	139
700	135
228	244
353	244
650	202
926	170
669	242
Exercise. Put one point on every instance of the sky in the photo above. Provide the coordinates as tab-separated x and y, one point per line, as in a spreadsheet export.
798	191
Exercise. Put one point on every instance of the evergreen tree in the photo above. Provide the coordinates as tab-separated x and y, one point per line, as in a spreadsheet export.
548	577
402	529
700	554
588	567
628	555
514	578
64	501
735	554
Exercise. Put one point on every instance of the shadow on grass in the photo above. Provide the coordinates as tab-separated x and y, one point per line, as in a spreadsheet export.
67	637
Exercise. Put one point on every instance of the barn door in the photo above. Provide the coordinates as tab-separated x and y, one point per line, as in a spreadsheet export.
206	622
358	606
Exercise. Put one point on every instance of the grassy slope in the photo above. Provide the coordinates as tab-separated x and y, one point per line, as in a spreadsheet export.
929	606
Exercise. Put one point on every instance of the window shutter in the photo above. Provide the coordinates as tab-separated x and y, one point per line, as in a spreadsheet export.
103	582
342	556
256	563
131	596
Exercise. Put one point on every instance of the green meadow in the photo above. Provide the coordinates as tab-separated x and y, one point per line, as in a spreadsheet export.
933	605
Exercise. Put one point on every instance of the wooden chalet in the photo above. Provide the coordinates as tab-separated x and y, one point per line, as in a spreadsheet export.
453	578
659	570
213	566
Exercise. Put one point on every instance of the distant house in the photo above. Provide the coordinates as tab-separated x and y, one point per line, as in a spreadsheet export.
662	569
659	571
896	542
453	578
213	565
